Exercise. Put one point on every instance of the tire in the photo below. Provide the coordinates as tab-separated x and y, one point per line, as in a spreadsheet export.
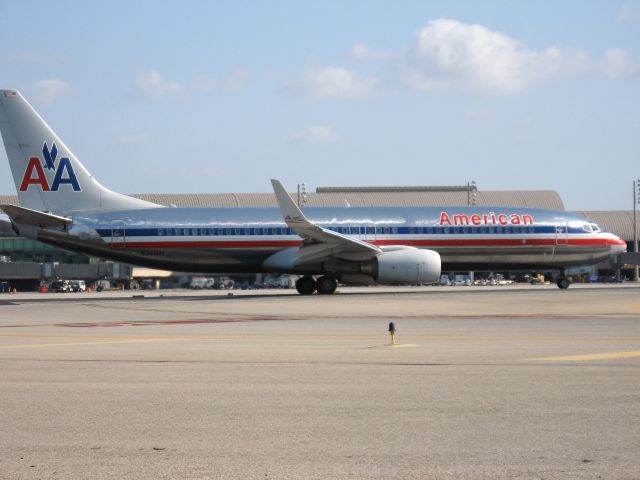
326	285
563	283
306	286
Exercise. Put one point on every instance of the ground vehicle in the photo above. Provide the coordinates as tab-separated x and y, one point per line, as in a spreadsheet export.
60	286
198	283
77	286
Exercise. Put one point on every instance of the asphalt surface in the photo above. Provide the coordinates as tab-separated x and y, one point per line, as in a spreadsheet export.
485	383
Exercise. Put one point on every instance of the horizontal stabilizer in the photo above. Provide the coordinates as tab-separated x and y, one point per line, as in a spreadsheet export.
26	216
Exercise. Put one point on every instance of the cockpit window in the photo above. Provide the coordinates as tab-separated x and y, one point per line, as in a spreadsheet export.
591	228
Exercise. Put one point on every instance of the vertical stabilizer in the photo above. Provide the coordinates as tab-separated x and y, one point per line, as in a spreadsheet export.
47	175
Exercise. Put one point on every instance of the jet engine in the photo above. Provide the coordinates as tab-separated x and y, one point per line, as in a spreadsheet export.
401	264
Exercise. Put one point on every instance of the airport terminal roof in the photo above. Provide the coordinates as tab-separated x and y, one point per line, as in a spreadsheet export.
532	199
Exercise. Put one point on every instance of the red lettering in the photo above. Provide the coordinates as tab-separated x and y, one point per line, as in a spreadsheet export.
527	219
502	219
444	219
485	219
476	219
493	218
515	219
461	219
29	179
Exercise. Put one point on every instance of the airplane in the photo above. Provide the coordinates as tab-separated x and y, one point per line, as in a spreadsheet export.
62	204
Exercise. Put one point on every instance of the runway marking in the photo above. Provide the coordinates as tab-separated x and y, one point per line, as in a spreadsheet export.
591	356
78	344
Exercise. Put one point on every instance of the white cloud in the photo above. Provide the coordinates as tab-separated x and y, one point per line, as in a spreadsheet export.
236	80
140	138
361	52
317	134
449	53
49	89
627	13
619	64
336	83
151	83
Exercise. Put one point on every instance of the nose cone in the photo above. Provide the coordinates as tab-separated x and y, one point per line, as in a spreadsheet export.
616	244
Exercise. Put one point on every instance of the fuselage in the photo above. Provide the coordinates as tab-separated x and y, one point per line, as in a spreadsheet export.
240	239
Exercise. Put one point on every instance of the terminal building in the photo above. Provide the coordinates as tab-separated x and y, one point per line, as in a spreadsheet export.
26	262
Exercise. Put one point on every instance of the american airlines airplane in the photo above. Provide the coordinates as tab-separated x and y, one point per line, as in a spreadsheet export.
62	204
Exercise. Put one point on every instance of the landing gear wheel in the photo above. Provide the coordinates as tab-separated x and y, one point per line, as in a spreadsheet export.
326	285
563	283
306	285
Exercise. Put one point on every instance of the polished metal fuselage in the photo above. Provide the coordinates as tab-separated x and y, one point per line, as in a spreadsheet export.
229	240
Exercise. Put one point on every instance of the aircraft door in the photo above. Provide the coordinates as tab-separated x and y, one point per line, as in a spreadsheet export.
562	231
118	234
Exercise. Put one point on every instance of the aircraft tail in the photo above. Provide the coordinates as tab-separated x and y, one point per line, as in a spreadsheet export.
47	175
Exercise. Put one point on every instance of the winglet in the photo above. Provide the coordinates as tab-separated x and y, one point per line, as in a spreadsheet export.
290	211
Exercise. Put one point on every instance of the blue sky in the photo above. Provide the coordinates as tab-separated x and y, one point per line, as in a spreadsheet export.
219	97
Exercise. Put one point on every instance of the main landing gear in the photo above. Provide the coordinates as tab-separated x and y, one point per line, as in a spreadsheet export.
324	285
563	282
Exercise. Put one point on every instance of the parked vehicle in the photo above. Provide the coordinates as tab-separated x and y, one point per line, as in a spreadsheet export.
77	286
199	283
60	286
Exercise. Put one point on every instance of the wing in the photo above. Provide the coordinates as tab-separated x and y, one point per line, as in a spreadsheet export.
319	243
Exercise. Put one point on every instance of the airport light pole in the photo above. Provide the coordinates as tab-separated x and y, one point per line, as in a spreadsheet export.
472	193
472	198
636	202
302	194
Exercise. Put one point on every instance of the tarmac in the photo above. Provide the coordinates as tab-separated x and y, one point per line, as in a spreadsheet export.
506	382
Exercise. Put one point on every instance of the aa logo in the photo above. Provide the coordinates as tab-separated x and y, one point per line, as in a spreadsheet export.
35	172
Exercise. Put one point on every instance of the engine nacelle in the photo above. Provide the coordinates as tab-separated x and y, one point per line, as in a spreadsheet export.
407	265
